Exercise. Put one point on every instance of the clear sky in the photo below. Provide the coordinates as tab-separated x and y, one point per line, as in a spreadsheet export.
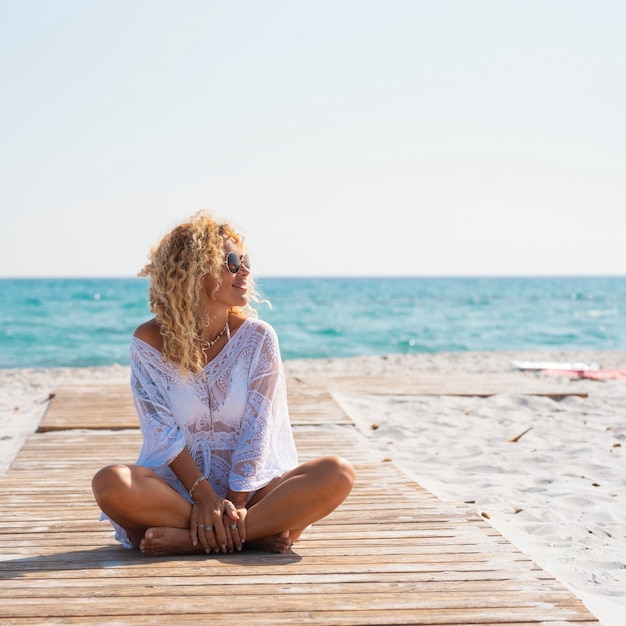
388	137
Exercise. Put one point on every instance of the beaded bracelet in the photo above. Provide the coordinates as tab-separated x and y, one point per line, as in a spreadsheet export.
198	481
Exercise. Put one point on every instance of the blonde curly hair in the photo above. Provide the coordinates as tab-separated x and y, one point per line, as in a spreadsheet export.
177	268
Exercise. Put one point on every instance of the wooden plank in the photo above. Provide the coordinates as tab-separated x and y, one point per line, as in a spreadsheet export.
388	587
110	405
391	554
491	605
481	385
343	618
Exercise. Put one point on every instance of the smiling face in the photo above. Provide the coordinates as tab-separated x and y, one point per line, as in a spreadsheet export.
233	290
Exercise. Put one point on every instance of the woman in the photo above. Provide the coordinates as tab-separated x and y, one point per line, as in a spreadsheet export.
218	465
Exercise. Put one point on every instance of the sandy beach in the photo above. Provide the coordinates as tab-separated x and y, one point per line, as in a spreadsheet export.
558	492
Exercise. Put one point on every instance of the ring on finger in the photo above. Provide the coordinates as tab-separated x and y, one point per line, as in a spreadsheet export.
208	528
233	526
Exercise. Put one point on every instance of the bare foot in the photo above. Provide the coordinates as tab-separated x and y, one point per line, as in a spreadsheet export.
280	543
164	541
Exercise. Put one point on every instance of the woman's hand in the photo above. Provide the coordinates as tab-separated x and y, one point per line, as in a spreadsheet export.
209	521
235	520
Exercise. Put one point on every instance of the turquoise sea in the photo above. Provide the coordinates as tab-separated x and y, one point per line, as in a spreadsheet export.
84	322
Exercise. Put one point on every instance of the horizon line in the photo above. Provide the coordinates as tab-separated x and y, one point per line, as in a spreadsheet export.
333	276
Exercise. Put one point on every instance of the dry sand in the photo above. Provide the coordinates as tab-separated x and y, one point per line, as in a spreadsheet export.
558	493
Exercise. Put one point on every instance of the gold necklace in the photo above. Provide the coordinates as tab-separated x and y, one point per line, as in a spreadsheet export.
209	344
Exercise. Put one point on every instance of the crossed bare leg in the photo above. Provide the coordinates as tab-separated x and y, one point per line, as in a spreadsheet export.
170	541
156	517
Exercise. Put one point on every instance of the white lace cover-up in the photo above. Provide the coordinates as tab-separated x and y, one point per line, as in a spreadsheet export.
232	416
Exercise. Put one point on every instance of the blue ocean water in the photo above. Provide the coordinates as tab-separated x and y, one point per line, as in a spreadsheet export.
88	322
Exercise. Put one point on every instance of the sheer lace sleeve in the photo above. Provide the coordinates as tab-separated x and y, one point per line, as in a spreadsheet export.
265	447
151	384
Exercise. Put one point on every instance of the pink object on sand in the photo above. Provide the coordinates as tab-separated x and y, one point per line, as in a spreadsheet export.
591	374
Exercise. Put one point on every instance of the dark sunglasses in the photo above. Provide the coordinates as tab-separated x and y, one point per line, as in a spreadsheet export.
234	263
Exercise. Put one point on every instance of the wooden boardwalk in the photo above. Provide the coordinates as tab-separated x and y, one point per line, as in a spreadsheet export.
391	554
